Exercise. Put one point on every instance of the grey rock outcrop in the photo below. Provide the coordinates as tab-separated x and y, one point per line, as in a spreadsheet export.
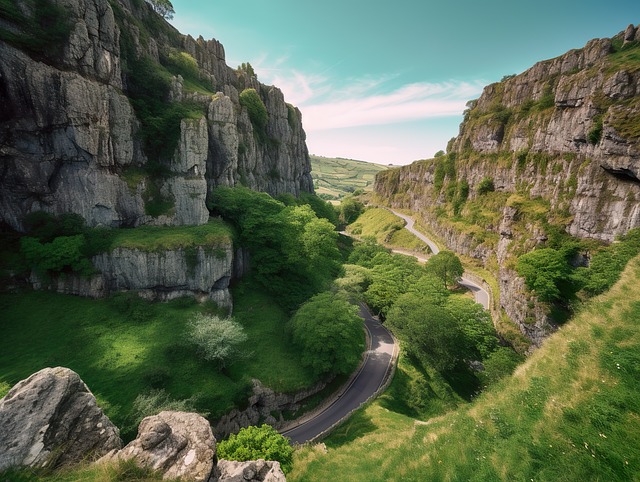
564	131
251	471
70	140
179	444
52	419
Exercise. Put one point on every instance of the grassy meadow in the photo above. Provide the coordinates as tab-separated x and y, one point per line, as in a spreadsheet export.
124	346
388	230
570	412
336	178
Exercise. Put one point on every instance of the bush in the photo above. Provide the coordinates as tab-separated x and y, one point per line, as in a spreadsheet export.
595	134
350	209
258	115
546	272
254	443
329	332
486	186
216	339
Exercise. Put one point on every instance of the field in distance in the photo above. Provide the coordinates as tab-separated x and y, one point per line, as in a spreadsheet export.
334	178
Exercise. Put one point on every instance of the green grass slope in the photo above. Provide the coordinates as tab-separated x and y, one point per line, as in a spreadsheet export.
335	178
570	412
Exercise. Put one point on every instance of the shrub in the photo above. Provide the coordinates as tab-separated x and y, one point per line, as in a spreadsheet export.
595	133
545	271
216	339
258	115
486	186
252	443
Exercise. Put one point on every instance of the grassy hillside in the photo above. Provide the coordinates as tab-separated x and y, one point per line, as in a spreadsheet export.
570	412
388	230
124	346
335	178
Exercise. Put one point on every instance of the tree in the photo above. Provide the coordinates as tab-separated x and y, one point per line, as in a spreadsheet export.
429	332
446	266
252	443
350	209
246	68
476	324
162	7
216	339
546	272
329	332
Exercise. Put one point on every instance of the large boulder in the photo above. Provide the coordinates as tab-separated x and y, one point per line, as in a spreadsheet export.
251	471
178	444
52	419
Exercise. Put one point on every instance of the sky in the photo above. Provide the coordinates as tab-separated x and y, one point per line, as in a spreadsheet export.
387	81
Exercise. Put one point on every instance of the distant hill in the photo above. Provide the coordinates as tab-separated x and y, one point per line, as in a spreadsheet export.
334	178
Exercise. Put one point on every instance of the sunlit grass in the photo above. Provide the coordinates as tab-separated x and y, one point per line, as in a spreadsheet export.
570	412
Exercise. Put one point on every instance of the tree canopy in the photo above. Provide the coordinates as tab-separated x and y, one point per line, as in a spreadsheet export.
446	266
329	332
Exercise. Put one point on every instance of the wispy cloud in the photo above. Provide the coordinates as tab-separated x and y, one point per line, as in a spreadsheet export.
327	103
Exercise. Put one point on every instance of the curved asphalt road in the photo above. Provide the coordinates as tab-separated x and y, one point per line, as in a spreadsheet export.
478	291
367	381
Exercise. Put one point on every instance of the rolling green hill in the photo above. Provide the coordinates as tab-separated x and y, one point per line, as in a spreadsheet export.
335	178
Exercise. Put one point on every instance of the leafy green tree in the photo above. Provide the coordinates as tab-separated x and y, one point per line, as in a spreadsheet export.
64	253
365	251
329	333
546	272
246	68
350	209
162	7
391	276
430	333
446	266
217	339
499	364
252	443
476	324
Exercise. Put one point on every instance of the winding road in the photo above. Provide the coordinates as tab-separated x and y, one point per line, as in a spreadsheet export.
378	363
480	294
371	376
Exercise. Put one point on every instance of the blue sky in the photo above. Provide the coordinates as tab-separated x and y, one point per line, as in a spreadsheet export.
387	81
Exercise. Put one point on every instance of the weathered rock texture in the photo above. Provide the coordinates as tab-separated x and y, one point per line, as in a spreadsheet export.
565	132
203	272
179	444
52	419
71	141
251	471
264	406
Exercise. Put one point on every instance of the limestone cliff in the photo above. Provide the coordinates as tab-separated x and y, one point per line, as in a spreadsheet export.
109	112
555	147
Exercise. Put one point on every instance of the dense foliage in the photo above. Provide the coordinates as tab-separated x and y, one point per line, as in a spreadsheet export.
328	332
293	252
250	99
252	443
446	266
216	339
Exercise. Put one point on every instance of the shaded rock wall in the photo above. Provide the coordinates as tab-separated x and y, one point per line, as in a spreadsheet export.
70	139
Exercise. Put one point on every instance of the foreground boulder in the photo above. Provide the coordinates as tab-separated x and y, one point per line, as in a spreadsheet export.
178	444
52	419
251	471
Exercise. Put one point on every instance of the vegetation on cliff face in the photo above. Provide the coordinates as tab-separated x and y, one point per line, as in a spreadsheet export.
526	172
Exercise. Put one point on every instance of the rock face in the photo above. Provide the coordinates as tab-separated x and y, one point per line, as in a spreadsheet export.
165	275
251	471
177	443
564	132
71	140
264	406
52	419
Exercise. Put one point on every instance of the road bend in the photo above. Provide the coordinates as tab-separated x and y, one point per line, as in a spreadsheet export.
371	376
480	294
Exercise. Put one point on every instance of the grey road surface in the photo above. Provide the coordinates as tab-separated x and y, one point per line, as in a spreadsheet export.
366	382
480	294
